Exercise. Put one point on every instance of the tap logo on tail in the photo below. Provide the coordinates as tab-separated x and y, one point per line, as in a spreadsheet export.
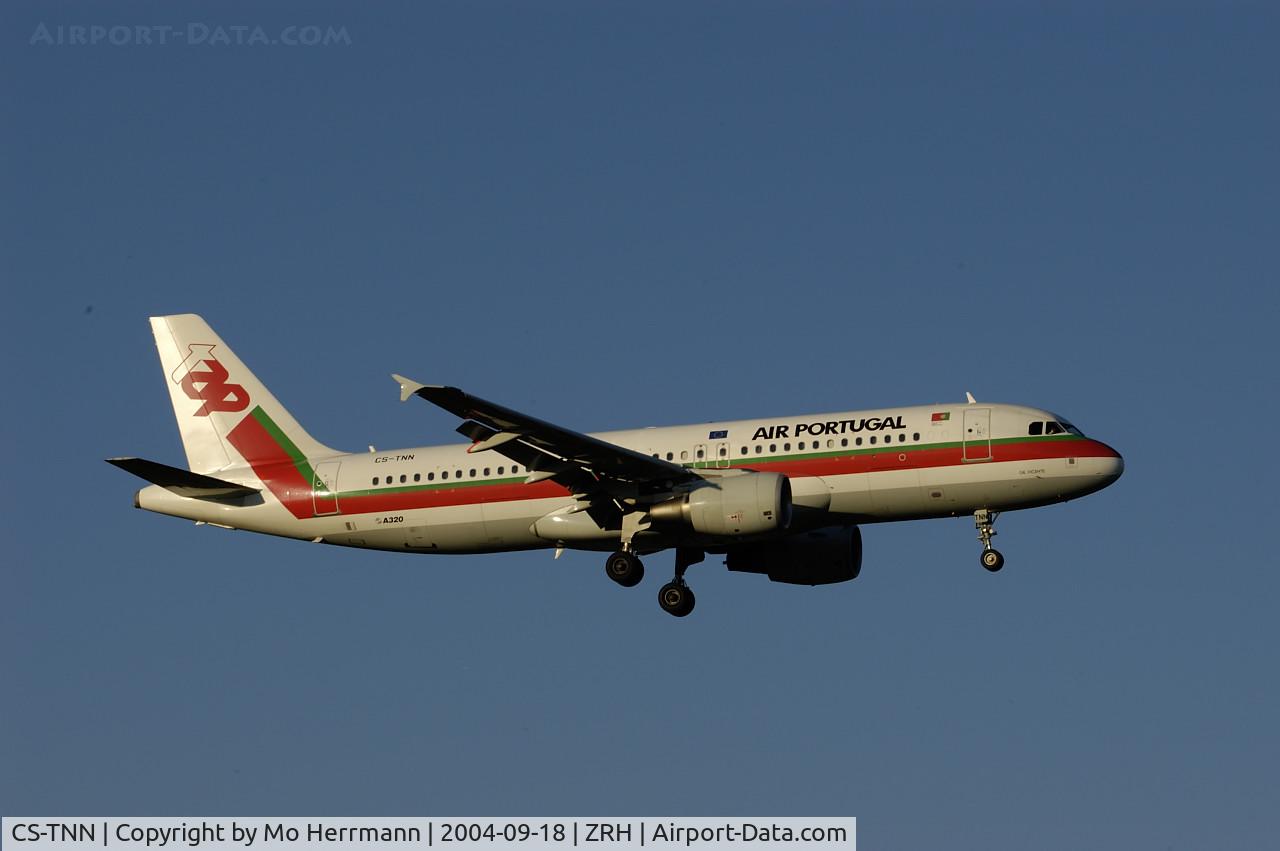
204	379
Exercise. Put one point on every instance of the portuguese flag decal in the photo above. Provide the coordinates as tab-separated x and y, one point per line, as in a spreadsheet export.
941	417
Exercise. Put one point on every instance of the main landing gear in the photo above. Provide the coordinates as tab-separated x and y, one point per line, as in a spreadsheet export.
676	597
624	568
984	520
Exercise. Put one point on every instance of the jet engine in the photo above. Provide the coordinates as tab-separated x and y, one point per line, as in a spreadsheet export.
821	557
749	504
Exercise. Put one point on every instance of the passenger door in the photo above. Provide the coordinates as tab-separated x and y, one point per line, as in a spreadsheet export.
977	434
324	490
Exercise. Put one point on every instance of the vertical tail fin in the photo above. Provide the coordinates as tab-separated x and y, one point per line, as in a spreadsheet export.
226	416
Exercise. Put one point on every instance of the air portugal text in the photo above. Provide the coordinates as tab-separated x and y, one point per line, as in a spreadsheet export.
816	429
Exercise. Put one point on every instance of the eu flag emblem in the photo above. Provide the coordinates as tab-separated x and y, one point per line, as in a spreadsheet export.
718	435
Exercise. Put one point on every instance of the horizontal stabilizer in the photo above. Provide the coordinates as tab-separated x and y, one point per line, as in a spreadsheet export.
182	482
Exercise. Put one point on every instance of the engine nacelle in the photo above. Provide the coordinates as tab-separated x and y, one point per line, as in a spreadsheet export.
822	557
749	504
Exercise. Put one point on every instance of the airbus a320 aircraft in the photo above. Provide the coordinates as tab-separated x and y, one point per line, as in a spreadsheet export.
781	496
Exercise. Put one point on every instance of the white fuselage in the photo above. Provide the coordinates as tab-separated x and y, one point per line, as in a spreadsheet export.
844	468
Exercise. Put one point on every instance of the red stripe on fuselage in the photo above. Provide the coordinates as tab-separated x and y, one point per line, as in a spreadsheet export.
439	497
916	457
273	466
891	458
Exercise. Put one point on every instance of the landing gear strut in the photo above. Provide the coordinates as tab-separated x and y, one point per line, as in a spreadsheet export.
676	597
984	520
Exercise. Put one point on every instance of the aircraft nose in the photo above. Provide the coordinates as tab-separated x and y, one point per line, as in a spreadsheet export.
1112	466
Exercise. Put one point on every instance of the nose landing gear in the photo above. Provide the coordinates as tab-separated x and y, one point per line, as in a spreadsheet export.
984	520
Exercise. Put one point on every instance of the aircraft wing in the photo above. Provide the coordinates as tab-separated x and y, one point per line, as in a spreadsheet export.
576	460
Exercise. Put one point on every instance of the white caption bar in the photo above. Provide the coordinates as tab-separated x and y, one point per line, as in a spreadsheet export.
403	834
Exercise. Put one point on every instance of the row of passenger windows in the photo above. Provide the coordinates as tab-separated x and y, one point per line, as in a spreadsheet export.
1053	427
786	447
698	454
444	476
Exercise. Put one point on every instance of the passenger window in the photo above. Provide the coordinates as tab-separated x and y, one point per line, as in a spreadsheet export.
1035	428
503	468
699	454
759	448
744	450
472	472
916	437
403	478
844	441
1052	427
515	468
858	441
457	474
417	477
786	447
773	447
486	471
684	454
800	445
902	438
873	438
445	474
670	456
375	480
724	452
831	443
431	477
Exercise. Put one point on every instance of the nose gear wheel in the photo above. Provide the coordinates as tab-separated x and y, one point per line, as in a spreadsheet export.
984	520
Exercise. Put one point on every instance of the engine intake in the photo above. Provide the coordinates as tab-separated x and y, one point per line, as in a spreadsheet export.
750	504
823	557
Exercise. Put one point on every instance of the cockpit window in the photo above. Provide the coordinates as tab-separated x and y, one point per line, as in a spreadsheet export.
1053	427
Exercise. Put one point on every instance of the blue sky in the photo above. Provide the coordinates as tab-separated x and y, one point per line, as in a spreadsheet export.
613	215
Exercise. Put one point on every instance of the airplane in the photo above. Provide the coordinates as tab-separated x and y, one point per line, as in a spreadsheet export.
780	496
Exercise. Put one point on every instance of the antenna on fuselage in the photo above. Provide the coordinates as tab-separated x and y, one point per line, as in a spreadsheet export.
969	396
